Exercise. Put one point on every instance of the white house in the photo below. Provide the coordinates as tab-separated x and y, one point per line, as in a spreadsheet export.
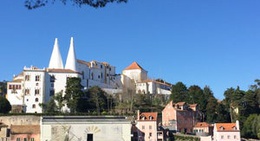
226	131
135	77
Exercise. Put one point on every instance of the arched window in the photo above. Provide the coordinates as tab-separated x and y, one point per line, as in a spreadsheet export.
36	99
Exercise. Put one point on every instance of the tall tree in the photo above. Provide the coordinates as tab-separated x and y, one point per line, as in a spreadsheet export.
3	89
212	104
96	99
32	4
5	106
251	128
179	92
222	113
73	93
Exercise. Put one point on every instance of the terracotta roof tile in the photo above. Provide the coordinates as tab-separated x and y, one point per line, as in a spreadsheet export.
25	129
226	126
133	66
202	124
147	116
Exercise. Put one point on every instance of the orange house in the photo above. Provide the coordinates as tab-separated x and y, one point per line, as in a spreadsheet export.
146	127
203	128
180	117
25	132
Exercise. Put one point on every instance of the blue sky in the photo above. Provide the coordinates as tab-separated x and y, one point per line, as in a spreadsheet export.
202	42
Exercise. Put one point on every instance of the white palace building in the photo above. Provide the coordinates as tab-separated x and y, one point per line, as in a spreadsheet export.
34	86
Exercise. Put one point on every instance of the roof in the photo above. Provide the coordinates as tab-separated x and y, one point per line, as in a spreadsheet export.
226	127
61	70
147	116
134	66
25	129
84	119
202	124
83	62
150	80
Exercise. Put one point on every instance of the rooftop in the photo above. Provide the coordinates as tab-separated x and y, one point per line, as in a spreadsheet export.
134	66
25	129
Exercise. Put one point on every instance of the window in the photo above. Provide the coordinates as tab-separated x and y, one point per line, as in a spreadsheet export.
90	137
36	99
235	136
52	78
24	139
143	127
150	127
32	139
18	139
33	106
222	137
228	136
37	78
51	92
37	91
83	76
27	91
150	134
27	77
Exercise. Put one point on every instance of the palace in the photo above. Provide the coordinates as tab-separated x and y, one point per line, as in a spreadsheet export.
34	86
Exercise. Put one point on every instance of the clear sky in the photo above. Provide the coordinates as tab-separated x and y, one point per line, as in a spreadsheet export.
197	42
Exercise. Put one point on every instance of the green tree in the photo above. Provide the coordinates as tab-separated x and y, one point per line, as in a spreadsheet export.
97	100
222	113
5	106
32	4
54	105
3	89
251	128
51	107
212	103
179	92
73	93
211	113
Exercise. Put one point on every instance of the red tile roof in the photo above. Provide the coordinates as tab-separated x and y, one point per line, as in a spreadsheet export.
226	127
202	124
133	66
147	116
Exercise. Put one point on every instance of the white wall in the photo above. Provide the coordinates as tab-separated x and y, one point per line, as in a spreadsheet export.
105	130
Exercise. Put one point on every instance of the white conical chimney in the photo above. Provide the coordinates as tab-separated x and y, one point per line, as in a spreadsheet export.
56	60
71	58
